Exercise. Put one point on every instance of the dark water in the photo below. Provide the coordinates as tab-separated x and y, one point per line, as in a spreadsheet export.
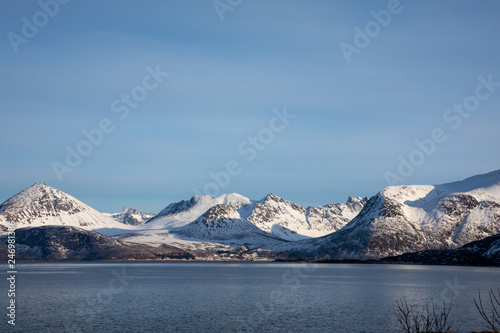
235	297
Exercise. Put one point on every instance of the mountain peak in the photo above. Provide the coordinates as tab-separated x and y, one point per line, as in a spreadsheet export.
272	197
130	210
234	199
220	211
41	204
35	192
351	199
40	187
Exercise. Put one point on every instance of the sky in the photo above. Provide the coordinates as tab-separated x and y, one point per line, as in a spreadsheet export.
143	103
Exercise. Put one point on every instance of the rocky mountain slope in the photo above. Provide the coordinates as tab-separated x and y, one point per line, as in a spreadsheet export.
402	219
482	252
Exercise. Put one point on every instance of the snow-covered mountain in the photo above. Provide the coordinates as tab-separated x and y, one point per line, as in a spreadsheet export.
222	222
272	214
278	216
184	212
131	216
40	205
402	219
220	228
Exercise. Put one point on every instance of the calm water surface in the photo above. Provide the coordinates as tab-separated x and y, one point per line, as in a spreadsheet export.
235	297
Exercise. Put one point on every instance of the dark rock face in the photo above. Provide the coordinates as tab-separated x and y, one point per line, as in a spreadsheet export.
391	209
54	243
485	252
458	205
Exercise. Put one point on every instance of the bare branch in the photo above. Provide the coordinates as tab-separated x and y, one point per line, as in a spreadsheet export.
493	320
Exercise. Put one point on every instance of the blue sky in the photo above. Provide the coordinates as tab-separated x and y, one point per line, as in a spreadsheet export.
352	120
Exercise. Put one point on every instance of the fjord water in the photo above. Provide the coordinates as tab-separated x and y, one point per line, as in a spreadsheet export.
236	297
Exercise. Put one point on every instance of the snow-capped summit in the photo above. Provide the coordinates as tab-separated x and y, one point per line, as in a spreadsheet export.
131	216
181	213
233	199
273	197
273	211
40	205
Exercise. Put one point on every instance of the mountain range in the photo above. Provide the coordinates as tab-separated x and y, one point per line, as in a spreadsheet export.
405	219
395	221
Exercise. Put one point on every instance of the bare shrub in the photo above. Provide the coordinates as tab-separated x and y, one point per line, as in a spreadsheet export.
424	320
